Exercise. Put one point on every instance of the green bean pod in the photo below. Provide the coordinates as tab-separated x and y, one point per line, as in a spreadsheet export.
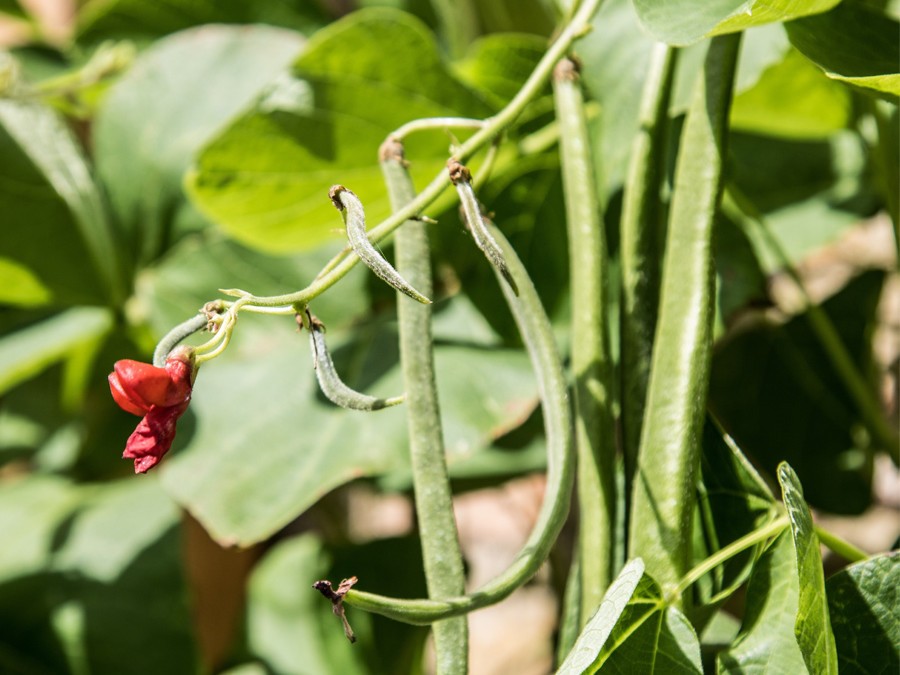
669	455
355	220
330	382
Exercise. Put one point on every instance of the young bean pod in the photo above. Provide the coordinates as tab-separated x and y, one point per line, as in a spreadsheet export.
330	382
355	219
462	179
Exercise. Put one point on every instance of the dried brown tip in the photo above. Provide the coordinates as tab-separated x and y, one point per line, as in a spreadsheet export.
458	172
392	150
337	601
334	196
568	69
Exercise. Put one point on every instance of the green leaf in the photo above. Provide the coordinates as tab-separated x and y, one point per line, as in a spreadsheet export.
265	179
593	637
20	286
54	220
681	22
26	352
143	21
145	135
766	643
813	624
75	573
776	393
498	65
792	100
733	501
13	8
288	623
863	602
650	637
853	43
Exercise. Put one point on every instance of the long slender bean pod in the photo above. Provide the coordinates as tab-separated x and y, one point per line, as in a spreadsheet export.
668	459
641	246
590	361
444	573
462	180
537	334
355	220
330	382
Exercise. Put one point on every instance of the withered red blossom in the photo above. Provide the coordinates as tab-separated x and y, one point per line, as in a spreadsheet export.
161	395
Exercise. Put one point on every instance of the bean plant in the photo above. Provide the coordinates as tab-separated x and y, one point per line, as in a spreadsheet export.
519	238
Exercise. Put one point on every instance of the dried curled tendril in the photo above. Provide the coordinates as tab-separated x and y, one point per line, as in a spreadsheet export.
330	382
462	179
355	220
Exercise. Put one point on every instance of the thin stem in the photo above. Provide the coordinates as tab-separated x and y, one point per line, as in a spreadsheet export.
590	360
843	548
444	573
537	334
432	123
721	556
740	207
641	248
458	23
175	336
887	164
492	128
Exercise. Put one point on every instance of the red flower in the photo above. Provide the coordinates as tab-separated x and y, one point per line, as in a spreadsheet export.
161	395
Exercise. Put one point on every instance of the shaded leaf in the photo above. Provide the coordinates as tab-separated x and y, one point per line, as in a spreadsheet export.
265	179
681	22
498	65
776	393
813	624
288	624
145	136
766	643
54	224
865	614
853	43
26	352
20	286
593	637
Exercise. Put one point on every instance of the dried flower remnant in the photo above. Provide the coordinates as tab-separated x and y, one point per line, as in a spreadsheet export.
161	395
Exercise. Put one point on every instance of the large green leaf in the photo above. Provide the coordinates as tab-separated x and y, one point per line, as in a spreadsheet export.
777	394
853	43
74	579
283	445
650	637
54	223
498	65
792	99
681	22
813	624
286	622
598	629
766	643
142	21
865	614
145	135
265	179
26	352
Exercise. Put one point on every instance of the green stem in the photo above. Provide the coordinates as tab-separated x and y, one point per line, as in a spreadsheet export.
886	160
765	532
590	361
641	246
176	335
843	548
432	123
537	334
664	492
441	554
458	23
740	207
492	128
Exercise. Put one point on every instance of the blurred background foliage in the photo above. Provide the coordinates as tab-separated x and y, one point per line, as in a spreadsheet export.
152	152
